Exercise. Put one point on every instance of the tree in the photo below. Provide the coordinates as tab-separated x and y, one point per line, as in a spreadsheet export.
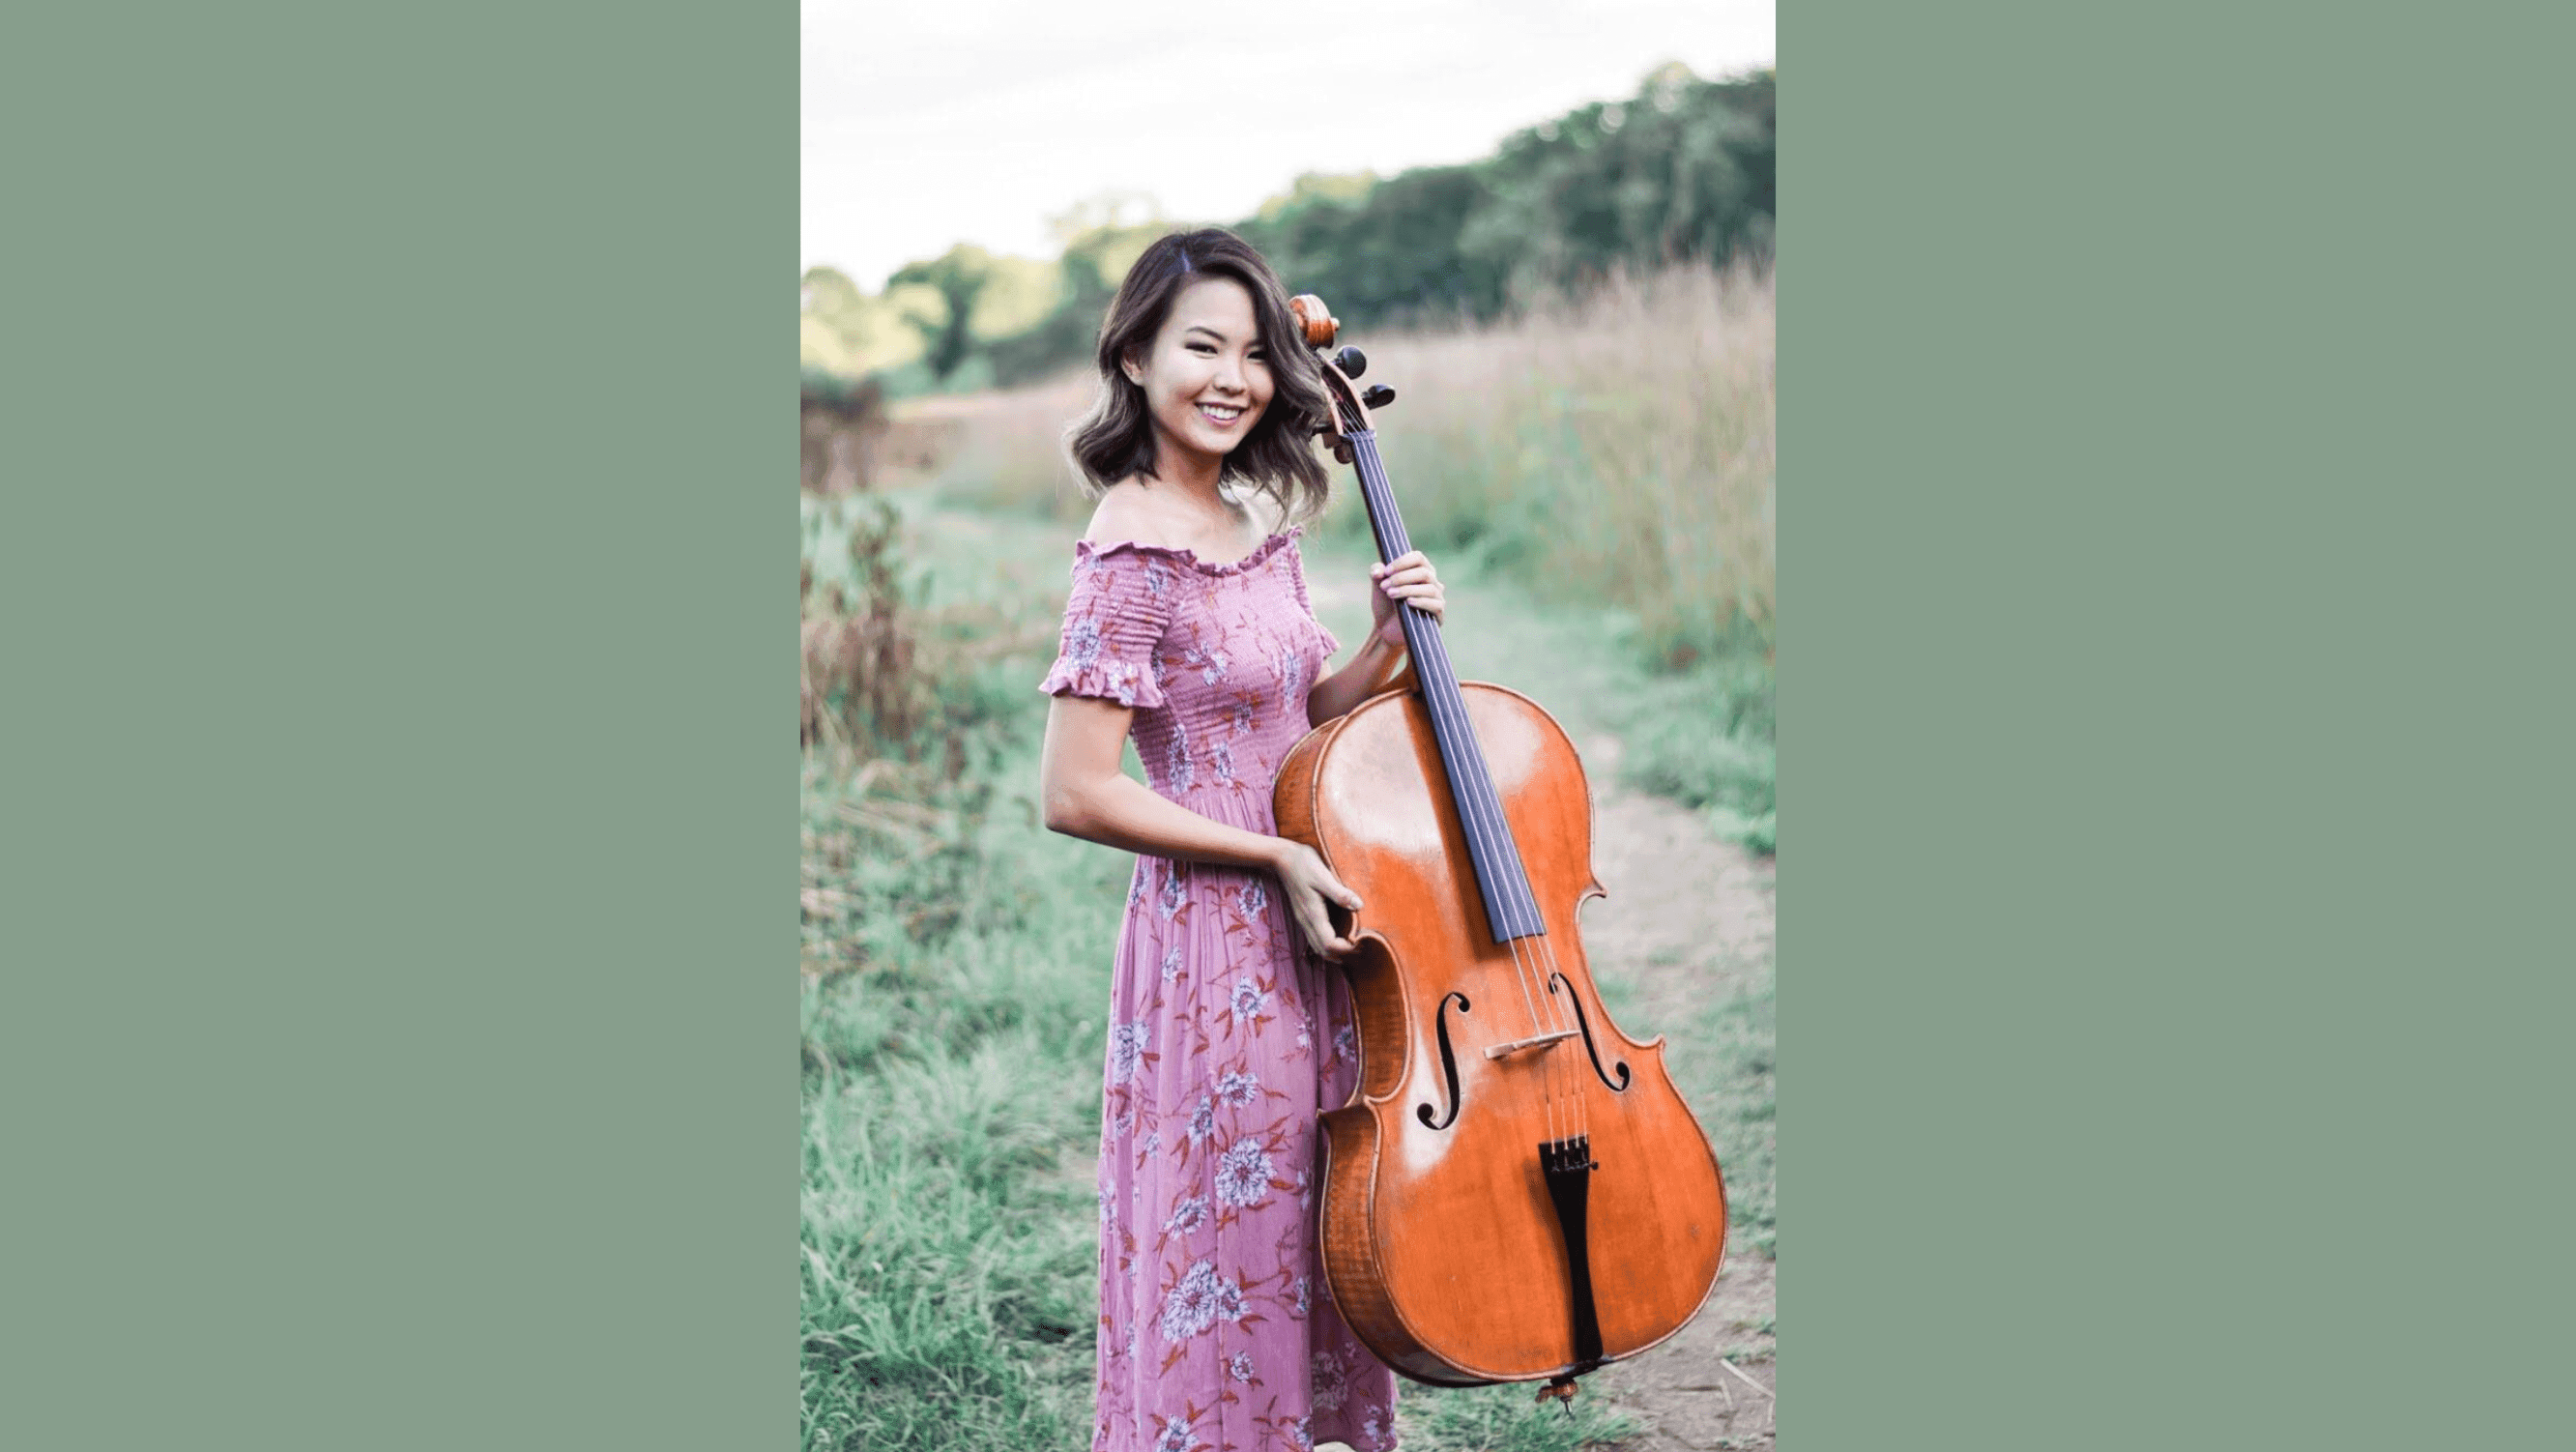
959	274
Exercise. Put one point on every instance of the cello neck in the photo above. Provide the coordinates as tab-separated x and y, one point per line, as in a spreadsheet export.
1511	911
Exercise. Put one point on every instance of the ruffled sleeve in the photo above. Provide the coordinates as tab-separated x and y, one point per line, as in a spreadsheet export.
1113	623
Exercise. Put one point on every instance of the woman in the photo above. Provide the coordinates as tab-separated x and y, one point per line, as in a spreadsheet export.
1189	624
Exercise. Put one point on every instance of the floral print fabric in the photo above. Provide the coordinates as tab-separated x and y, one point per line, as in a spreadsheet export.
1226	1037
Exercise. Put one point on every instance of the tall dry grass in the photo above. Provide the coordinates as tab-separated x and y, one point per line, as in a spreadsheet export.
1616	447
899	698
1005	450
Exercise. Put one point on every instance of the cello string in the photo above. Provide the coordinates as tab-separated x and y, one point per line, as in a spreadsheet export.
1514	883
1577	1093
1550	1090
1480	807
1479	810
1569	1095
1481	814
1561	1087
1547	1098
1492	849
1560	1084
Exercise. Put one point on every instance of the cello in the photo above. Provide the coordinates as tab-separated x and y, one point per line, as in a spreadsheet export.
1515	1191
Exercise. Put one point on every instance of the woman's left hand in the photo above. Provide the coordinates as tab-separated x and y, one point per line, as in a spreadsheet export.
1407	577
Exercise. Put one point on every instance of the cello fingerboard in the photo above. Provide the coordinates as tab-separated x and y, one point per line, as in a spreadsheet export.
1511	910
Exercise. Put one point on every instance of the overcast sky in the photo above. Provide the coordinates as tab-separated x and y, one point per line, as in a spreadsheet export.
943	121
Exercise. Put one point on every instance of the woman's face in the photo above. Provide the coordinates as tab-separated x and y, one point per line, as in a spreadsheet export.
1206	377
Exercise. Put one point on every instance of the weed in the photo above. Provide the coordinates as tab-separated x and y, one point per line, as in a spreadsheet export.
948	1261
1504	1419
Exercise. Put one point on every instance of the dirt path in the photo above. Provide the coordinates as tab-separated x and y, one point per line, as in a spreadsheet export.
1687	917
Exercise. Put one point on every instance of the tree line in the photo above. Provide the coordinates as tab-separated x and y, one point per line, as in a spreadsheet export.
1686	169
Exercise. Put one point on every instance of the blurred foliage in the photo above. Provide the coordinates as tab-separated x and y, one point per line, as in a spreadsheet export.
982	300
1094	260
1709	737
823	386
1683	171
959	276
845	331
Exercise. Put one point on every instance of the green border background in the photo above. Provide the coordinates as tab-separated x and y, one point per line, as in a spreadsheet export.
397	1033
401	1026
2174	990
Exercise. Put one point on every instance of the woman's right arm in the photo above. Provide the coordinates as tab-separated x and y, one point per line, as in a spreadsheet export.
1086	795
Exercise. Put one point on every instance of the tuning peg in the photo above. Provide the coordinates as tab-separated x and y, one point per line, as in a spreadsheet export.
1351	361
1378	396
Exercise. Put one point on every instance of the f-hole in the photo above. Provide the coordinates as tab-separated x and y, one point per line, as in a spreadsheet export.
1589	1047
1448	1068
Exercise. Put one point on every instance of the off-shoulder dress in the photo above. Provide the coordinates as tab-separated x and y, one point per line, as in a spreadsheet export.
1226	1036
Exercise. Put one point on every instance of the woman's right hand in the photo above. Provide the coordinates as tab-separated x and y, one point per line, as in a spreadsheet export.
1313	891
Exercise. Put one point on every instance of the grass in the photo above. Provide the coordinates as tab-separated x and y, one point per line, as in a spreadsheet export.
948	1260
957	959
1724	1064
1708	739
1504	1419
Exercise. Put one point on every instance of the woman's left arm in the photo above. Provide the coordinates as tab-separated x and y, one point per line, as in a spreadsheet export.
1408	577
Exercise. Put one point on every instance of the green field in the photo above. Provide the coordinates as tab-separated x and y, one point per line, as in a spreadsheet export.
957	957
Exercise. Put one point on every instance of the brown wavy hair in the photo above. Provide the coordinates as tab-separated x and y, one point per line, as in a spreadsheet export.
1116	438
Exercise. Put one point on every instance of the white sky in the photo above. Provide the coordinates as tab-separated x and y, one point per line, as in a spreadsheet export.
932	122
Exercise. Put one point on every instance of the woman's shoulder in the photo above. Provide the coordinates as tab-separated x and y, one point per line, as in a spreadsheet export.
1269	513
1124	515
1129	524
1120	555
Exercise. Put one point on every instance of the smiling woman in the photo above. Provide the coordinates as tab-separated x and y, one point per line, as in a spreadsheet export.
1200	333
1228	1033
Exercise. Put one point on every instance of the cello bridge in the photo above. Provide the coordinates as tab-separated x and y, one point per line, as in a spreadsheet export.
1536	1041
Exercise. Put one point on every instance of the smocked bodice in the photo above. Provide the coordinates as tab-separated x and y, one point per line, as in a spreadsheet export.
1216	659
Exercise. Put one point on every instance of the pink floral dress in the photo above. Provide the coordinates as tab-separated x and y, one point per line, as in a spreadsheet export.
1226	1036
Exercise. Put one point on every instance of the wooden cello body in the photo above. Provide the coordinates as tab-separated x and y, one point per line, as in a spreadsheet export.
1516	1190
